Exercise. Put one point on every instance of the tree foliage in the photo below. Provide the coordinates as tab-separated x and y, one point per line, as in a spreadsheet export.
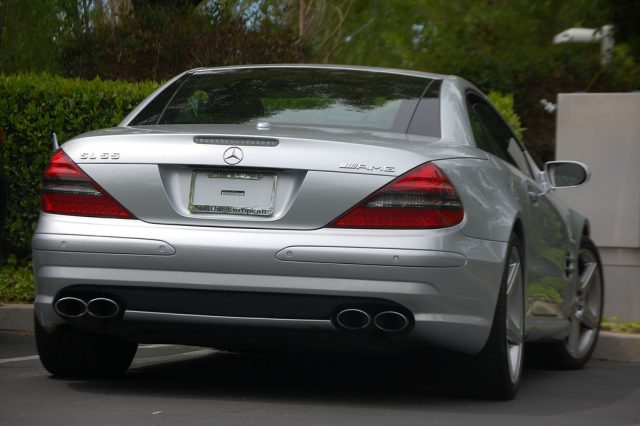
500	45
27	31
137	39
157	42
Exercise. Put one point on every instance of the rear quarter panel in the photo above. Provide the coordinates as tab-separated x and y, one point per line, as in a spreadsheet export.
489	197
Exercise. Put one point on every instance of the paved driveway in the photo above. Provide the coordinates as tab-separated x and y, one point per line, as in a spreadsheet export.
177	385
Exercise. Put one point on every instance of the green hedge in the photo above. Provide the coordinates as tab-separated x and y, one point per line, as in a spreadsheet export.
31	108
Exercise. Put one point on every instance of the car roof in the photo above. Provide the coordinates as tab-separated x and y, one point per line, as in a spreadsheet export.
396	71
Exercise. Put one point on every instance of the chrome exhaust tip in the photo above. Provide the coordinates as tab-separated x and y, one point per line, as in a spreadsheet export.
353	319
103	308
70	307
391	321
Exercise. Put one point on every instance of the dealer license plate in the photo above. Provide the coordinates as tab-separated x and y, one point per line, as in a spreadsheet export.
232	192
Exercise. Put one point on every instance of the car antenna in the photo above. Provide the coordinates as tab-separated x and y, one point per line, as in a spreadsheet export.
54	142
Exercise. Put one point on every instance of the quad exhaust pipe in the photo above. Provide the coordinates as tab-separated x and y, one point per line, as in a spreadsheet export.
357	319
353	319
70	307
391	321
349	319
100	307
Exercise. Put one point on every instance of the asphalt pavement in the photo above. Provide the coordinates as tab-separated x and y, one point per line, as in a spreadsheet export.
178	385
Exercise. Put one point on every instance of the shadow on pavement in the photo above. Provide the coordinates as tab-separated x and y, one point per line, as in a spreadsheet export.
370	381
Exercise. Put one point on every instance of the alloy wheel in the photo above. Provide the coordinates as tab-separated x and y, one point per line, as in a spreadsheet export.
586	307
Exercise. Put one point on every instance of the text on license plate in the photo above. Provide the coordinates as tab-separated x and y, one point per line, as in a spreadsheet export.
232	192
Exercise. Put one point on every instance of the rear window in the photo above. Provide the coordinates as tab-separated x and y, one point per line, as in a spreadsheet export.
290	96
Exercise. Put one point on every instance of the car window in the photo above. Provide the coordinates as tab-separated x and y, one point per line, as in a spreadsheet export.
479	134
294	96
502	140
152	112
426	118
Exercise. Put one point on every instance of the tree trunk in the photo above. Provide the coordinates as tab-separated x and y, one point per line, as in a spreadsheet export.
301	20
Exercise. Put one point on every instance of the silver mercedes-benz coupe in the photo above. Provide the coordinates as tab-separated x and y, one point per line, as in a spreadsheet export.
321	207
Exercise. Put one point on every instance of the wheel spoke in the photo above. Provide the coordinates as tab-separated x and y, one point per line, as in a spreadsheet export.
514	337
574	336
589	319
514	268
586	278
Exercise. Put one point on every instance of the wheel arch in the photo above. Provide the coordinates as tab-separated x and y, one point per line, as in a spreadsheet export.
518	229
579	227
586	229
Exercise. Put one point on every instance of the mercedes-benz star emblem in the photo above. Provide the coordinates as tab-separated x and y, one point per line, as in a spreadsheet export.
233	155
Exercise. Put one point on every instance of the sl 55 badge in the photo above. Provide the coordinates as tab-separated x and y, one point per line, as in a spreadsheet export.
100	156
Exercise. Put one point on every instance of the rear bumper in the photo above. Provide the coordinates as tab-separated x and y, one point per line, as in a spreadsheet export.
447	282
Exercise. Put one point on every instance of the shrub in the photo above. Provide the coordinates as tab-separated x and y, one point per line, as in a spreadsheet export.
16	282
33	106
504	104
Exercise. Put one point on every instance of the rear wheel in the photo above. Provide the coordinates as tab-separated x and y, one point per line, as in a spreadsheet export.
75	353
499	364
495	372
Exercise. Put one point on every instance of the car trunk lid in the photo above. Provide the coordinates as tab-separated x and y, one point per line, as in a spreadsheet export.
235	176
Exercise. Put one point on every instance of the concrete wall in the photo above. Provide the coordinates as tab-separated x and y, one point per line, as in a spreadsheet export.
603	131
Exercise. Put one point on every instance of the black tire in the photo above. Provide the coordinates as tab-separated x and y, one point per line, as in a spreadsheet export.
69	352
487	374
492	364
556	355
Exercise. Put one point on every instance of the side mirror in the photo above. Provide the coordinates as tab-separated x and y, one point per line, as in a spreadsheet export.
563	174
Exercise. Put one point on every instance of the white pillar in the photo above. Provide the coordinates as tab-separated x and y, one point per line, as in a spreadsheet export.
603	131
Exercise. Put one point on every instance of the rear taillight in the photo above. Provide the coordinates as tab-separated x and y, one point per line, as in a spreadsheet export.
421	198
68	190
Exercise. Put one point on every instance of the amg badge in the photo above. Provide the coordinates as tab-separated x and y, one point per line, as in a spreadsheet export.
360	166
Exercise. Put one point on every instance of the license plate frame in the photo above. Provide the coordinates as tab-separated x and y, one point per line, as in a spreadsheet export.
212	192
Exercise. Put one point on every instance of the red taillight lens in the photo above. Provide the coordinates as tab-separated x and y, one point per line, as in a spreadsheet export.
421	198
68	190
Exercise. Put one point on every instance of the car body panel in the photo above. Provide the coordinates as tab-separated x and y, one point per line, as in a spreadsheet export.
219	258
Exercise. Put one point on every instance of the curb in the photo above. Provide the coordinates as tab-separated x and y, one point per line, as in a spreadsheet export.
619	347
15	317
